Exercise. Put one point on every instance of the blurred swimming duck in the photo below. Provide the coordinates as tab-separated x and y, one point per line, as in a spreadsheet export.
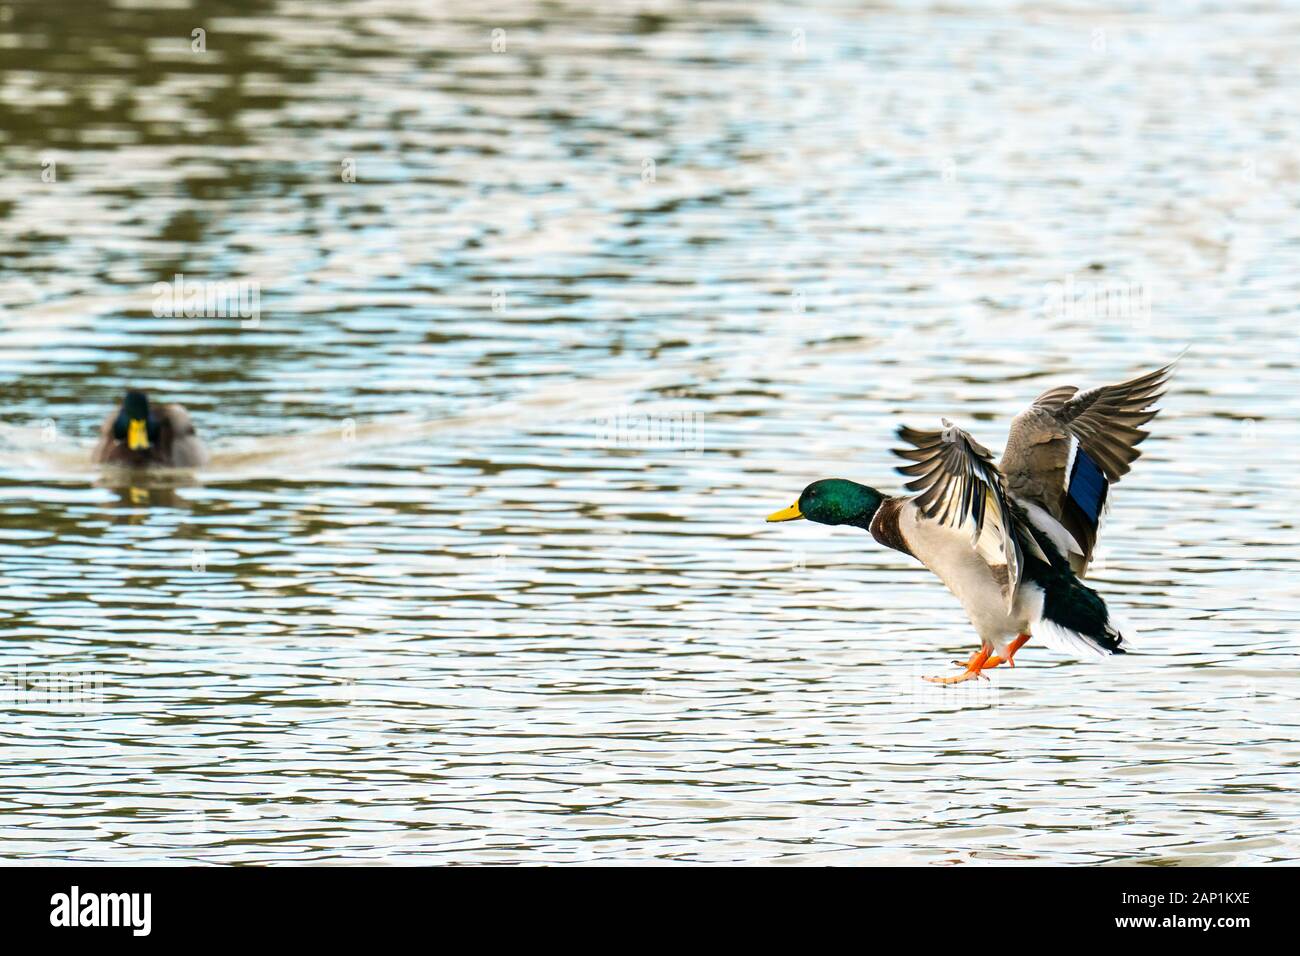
1010	540
140	435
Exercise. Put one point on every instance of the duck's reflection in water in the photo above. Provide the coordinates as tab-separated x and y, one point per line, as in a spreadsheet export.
137	490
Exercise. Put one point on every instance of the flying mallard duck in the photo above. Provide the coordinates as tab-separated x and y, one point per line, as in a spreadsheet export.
1010	540
140	435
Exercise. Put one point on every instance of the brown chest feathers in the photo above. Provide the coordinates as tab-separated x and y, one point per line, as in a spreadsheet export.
884	526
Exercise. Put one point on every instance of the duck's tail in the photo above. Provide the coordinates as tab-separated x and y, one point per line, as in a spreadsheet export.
1075	619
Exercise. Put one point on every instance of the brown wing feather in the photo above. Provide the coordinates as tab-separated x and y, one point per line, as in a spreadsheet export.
1107	424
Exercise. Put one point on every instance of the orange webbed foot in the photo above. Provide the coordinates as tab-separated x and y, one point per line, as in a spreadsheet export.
976	664
1013	647
995	660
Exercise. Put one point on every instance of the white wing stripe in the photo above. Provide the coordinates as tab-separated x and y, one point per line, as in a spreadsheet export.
1044	522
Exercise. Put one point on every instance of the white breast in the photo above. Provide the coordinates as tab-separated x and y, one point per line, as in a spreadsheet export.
948	552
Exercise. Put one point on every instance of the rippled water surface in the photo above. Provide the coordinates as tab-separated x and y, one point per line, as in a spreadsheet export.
479	572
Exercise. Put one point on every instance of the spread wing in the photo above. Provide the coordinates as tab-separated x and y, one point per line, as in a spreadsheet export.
1067	449
959	484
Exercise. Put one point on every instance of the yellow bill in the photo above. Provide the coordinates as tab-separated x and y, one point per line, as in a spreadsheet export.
786	514
137	434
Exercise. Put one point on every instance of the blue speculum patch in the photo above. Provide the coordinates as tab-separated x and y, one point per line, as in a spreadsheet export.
1087	485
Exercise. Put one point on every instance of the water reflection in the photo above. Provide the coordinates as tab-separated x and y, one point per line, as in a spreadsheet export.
479	571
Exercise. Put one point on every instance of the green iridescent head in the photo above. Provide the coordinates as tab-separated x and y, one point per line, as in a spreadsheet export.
834	501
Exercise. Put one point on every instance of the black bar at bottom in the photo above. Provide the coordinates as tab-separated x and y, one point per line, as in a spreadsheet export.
341	904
